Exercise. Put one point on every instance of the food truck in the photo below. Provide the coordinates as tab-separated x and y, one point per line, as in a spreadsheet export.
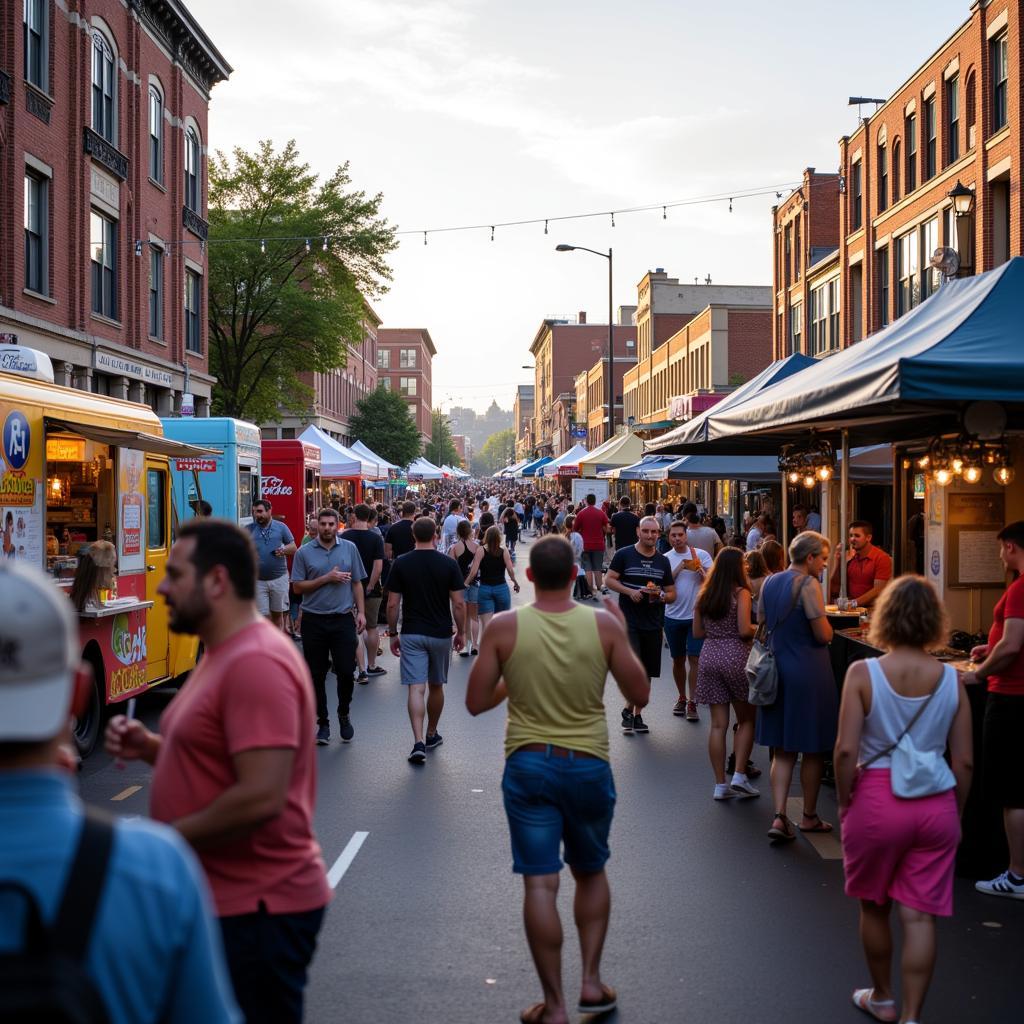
229	479
77	468
291	482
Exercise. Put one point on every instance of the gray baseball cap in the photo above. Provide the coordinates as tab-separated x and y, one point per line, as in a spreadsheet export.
38	654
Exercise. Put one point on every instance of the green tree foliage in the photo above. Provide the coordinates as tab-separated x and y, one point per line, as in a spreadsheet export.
441	448
497	452
297	306
382	422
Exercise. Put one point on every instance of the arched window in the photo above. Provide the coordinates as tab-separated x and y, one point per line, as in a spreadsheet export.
104	88
971	104
193	173
156	133
895	168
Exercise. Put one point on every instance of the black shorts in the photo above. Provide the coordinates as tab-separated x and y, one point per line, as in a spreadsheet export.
1002	736
647	645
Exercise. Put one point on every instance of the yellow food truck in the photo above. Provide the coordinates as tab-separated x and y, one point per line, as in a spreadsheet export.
77	468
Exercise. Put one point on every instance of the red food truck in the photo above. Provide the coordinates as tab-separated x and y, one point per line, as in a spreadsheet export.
290	481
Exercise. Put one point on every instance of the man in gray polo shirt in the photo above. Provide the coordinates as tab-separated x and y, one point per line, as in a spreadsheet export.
328	574
274	544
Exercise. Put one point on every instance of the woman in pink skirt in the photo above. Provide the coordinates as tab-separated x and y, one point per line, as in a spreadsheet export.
722	618
901	850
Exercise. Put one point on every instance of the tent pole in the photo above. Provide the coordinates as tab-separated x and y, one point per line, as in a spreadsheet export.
784	525
844	512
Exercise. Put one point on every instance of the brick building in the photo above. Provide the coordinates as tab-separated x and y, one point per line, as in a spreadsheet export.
404	356
522	420
955	119
464	448
591	392
103	142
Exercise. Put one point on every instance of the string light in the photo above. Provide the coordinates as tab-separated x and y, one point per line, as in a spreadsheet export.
730	204
424	238
613	220
545	227
492	232
664	213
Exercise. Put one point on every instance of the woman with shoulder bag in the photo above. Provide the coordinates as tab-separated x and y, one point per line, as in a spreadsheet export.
802	719
899	802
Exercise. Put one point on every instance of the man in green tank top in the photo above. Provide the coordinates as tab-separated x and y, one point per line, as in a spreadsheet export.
551	660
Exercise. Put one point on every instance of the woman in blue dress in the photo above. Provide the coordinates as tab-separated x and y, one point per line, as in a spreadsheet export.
804	717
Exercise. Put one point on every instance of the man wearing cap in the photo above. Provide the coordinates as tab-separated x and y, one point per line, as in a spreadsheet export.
150	947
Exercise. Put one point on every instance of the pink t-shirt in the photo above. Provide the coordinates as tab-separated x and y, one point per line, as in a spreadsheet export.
254	691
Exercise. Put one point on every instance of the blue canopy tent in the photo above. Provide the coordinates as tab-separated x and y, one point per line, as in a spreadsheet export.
531	469
647	468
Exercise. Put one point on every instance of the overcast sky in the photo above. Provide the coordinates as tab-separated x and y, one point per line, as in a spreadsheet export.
476	112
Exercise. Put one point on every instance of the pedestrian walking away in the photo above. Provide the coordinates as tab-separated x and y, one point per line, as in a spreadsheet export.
463	551
899	846
492	562
427	587
274	545
593	526
625	524
328	574
235	772
371	551
551	661
643	580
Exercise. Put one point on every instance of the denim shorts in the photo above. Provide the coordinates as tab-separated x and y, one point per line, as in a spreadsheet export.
472	595
681	641
554	800
425	659
494	598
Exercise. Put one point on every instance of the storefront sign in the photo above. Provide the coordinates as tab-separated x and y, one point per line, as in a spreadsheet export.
130	505
195	465
568	470
273	486
110	363
65	449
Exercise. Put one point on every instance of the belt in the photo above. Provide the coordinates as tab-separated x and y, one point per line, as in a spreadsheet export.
327	615
554	751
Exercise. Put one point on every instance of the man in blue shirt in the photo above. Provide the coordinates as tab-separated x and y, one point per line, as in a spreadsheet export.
154	953
274	546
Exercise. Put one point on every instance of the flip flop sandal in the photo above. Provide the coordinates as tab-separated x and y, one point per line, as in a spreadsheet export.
533	1014
608	1001
880	1009
784	834
819	826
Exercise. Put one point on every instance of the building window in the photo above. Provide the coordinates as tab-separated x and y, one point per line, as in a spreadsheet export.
407	386
883	286
999	51
953	119
911	133
819	321
156	134
36	233
930	278
193	188
407	358
931	151
896	165
103	252
384	359
857	195
385	383
156	292
193	304
796	249
883	178
908	286
37	64
833	315
971	104
796	323
104	83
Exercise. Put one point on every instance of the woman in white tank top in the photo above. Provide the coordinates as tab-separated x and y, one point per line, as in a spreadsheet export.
897	850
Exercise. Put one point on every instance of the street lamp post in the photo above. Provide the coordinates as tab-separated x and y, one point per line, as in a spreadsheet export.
610	427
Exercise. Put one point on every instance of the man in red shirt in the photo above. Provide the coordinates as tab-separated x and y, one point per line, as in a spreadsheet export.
593	526
1002	667
868	569
234	769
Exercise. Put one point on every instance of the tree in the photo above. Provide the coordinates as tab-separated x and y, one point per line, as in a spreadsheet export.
441	448
293	302
382	422
497	452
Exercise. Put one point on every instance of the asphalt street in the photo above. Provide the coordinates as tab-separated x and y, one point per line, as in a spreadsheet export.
709	921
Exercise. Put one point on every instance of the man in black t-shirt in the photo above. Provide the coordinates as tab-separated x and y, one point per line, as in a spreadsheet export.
371	550
642	577
625	524
399	539
428	588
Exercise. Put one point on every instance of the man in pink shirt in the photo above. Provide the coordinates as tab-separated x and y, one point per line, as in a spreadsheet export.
593	525
235	771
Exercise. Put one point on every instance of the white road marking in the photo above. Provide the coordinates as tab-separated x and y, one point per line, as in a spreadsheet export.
344	862
476	791
125	793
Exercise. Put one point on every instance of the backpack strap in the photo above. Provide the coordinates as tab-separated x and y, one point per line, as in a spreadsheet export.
72	927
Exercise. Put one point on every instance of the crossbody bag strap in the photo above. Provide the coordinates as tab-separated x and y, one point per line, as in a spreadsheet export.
910	725
72	926
792	605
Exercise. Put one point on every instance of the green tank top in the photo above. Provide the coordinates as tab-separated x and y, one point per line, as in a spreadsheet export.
555	679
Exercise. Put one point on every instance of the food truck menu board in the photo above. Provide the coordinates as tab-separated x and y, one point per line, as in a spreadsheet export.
975	519
131	544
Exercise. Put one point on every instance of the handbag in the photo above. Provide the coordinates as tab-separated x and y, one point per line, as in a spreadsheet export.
762	669
916	773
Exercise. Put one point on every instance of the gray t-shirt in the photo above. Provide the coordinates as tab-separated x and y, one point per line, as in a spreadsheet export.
313	560
267	540
703	537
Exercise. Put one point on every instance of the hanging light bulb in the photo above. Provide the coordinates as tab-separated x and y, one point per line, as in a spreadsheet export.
809	480
824	472
958	465
924	461
793	476
1004	475
972	474
943	476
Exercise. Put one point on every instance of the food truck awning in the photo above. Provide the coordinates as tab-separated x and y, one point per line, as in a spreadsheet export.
620	450
913	379
335	459
136	439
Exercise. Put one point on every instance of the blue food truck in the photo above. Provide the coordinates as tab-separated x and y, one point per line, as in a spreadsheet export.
229	481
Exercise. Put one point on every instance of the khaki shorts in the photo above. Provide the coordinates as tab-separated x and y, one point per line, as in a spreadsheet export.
372	606
272	595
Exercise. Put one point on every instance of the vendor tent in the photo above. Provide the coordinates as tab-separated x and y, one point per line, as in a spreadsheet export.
621	450
533	468
650	467
421	469
867	465
381	466
514	468
567	464
335	459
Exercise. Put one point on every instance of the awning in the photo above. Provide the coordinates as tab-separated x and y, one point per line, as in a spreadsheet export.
650	467
335	459
532	468
867	465
514	468
135	439
621	450
567	464
383	467
423	469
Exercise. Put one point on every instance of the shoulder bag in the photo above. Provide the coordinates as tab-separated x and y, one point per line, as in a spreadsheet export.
762	669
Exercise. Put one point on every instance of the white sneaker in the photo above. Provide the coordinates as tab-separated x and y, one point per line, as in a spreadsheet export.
723	791
744	789
1002	886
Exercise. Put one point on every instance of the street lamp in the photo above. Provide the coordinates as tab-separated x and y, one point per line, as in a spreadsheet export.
610	428
963	207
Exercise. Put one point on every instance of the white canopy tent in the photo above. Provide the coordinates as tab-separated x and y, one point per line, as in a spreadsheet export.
572	458
335	459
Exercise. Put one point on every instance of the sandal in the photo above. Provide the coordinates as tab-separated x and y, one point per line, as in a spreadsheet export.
608	1001
784	834
819	826
880	1009
533	1014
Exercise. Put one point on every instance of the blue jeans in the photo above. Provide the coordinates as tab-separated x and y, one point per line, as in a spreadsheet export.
495	598
554	800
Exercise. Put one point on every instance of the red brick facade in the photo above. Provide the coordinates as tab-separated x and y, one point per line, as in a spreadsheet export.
78	165
404	359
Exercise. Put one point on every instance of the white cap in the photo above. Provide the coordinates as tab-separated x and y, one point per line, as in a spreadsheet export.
38	654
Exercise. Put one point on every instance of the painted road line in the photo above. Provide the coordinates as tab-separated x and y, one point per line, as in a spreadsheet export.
344	862
125	793
826	844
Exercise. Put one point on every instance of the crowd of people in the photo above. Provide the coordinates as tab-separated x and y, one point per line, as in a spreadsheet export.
234	758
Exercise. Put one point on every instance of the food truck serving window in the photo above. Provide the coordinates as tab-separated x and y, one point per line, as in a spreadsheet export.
156	512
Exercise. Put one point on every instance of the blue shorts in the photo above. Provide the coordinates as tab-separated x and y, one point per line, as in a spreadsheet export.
554	800
494	598
425	659
681	641
472	595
